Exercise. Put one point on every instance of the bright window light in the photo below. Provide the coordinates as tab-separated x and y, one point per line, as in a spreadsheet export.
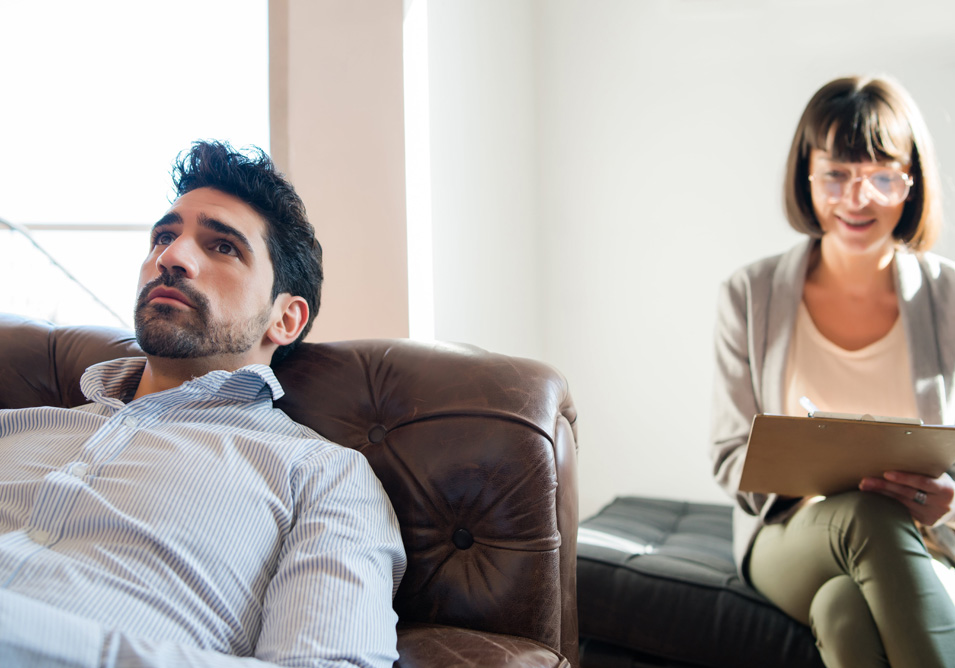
418	173
98	98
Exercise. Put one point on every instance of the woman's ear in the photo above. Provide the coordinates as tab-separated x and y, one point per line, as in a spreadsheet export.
289	315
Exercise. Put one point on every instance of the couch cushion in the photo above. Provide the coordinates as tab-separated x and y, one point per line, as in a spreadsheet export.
436	645
656	578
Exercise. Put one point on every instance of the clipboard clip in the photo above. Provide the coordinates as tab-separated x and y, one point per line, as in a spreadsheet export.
810	407
814	411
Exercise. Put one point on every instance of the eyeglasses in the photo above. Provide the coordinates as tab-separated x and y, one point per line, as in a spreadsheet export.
885	186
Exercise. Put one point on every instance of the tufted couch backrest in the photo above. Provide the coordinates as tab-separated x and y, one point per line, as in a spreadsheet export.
476	450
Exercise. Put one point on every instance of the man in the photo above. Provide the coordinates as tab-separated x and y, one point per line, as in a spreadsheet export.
180	519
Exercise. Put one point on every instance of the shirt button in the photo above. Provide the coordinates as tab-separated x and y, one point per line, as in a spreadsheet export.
40	536
131	422
80	470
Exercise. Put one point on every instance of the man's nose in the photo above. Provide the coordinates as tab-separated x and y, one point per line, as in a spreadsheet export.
180	257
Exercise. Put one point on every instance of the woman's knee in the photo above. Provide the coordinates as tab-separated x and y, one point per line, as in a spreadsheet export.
866	507
842	623
868	514
866	527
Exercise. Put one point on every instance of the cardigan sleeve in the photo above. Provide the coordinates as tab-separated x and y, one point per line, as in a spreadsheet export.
734	395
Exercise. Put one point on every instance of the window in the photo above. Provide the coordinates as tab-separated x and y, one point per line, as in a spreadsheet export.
99	97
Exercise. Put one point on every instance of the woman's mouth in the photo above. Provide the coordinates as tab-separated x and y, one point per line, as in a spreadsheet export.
856	224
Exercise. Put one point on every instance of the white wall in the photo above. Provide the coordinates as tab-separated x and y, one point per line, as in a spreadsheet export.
338	131
484	163
600	165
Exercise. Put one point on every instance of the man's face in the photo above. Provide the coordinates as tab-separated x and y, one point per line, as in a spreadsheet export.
205	289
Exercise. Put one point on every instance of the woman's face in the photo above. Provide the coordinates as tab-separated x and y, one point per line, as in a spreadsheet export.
857	204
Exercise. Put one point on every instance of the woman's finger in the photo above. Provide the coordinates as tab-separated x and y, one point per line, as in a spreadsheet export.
924	505
913	480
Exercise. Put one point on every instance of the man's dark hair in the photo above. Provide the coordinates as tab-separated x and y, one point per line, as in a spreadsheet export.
251	176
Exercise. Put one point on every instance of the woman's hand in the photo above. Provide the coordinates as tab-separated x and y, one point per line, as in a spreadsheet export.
930	500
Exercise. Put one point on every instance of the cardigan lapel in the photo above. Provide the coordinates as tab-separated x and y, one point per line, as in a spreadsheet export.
917	313
789	279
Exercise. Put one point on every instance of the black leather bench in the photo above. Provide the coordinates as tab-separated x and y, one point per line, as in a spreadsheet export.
657	586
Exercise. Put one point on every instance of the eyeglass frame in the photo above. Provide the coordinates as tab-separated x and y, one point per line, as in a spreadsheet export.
907	179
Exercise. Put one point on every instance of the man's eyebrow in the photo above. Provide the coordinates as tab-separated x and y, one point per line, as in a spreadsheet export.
171	218
224	229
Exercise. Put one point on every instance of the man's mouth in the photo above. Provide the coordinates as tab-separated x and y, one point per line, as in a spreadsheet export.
165	295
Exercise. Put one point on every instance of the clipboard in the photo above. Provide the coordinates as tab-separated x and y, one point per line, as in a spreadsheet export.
810	456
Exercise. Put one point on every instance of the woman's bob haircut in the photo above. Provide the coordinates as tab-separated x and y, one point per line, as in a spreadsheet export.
863	119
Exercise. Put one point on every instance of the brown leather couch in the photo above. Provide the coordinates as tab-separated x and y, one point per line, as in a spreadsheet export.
476	450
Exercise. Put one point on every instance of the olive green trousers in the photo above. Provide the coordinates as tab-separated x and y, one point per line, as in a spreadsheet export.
855	569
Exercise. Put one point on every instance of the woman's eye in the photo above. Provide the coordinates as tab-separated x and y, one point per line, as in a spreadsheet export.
835	175
226	248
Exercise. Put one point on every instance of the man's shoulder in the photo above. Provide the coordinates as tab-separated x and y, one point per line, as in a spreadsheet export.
326	465
314	447
302	431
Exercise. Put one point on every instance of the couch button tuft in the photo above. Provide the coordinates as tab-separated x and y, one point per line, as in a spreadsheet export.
377	434
462	539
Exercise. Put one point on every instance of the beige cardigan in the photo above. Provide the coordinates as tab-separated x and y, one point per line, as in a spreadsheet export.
756	314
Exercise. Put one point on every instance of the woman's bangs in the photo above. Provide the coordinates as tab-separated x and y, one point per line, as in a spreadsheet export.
870	132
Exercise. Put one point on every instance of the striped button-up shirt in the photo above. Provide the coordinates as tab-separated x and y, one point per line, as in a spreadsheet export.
187	527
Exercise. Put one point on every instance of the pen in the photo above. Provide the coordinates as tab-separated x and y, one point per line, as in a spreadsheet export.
806	403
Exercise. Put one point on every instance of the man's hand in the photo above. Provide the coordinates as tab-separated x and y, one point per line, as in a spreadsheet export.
929	500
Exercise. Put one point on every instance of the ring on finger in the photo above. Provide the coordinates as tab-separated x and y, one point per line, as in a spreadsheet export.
920	497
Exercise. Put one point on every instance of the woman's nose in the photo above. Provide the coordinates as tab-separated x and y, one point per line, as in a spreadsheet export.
858	197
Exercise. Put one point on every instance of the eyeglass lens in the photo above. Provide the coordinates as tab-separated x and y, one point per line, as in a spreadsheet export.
886	187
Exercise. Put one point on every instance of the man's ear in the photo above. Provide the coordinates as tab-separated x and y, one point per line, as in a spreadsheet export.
289	315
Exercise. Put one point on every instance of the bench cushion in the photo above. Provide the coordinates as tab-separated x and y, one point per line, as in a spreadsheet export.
657	586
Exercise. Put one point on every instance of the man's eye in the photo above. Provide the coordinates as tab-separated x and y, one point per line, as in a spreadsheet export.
226	248
163	239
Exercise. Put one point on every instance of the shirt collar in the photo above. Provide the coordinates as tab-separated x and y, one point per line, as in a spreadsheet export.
114	382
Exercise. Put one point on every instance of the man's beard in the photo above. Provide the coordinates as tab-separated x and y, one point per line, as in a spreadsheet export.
164	330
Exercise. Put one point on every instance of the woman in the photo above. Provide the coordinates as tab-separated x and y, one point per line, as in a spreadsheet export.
860	319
